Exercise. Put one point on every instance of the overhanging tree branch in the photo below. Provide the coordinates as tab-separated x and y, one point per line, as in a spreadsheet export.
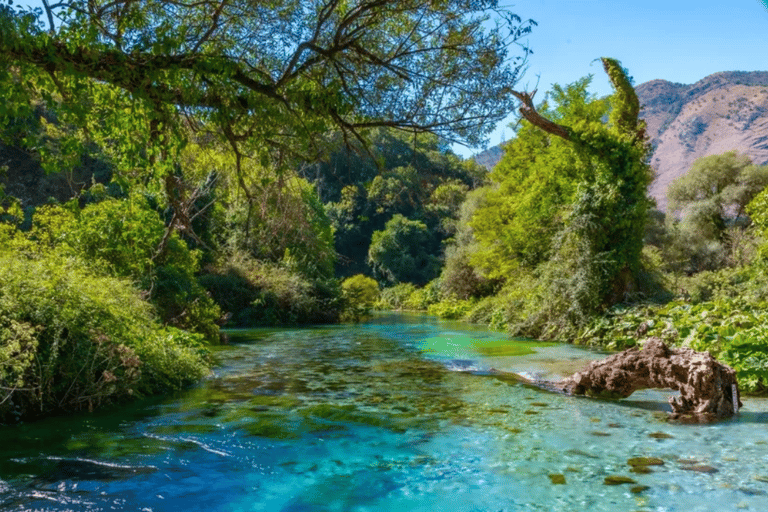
530	114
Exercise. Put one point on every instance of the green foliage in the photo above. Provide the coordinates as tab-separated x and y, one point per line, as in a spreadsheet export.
360	293
70	340
568	213
758	210
536	183
413	176
423	298
451	308
399	253
279	218
121	238
252	292
396	297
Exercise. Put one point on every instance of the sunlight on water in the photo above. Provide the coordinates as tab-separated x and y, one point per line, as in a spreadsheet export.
400	414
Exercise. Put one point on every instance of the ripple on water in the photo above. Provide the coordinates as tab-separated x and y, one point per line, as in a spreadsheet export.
388	416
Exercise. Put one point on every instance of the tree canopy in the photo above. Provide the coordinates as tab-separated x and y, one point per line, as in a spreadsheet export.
567	215
716	187
278	72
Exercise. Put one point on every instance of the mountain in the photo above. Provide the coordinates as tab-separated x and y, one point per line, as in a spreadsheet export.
722	112
490	157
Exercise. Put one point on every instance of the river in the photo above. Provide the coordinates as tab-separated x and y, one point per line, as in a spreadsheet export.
401	413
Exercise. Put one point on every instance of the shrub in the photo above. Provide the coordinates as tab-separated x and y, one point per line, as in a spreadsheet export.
396	297
360	294
121	238
257	293
422	298
361	289
451	308
459	278
71	340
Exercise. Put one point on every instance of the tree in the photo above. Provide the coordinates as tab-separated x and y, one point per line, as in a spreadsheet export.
610	211
536	182
716	188
401	253
568	215
268	77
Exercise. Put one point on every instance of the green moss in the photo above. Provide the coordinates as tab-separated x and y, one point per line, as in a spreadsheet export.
278	401
185	428
272	426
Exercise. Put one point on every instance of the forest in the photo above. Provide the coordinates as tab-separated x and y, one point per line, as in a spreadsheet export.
234	165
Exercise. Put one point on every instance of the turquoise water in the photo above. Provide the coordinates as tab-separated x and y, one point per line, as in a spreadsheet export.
399	414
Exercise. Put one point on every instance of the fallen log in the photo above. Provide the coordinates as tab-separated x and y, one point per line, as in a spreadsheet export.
707	387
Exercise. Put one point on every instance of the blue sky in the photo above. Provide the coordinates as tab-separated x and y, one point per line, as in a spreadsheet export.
677	40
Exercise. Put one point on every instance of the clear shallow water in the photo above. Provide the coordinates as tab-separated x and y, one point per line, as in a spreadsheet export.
400	414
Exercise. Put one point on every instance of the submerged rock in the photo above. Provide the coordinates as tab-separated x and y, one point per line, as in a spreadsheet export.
645	461
618	480
557	479
701	468
706	386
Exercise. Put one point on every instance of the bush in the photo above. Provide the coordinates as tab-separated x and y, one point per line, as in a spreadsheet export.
360	294
451	308
361	289
396	297
121	238
71	340
257	293
460	279
422	298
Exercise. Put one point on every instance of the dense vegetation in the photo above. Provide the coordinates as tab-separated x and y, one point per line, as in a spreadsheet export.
564	243
225	163
299	172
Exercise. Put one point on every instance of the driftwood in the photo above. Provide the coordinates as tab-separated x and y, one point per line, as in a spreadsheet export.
706	386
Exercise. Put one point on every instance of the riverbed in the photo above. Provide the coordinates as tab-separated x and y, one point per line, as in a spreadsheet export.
402	413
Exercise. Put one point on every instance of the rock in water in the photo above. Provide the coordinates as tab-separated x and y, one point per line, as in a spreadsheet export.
705	385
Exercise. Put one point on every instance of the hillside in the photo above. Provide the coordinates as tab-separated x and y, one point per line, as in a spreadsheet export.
722	112
719	113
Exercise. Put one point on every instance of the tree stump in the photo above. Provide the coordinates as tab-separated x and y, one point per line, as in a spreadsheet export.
706	386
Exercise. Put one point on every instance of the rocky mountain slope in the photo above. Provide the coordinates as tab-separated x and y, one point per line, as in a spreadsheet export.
722	112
